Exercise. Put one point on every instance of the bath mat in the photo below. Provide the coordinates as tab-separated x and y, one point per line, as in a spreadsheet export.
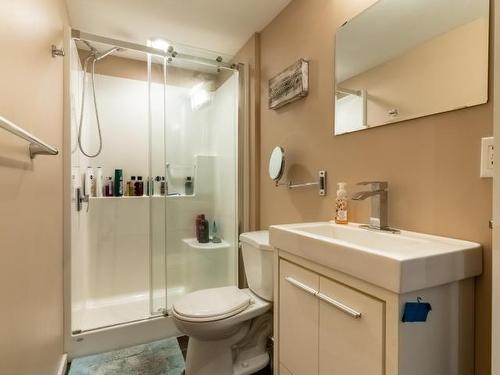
162	357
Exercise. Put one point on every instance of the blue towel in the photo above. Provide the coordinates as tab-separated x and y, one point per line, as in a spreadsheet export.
416	311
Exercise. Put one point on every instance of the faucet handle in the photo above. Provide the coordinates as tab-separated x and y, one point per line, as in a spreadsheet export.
376	185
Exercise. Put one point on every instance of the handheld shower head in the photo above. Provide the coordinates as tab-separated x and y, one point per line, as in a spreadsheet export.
92	58
106	53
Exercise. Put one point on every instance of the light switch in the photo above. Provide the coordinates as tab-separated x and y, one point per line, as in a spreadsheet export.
487	156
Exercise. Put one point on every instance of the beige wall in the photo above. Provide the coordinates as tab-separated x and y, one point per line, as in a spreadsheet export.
31	95
414	83
432	164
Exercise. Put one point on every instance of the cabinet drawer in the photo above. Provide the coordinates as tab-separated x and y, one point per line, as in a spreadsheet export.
349	343
298	320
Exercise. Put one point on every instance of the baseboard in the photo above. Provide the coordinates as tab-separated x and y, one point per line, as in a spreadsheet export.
63	364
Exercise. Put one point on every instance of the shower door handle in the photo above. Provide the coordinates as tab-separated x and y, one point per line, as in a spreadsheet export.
80	199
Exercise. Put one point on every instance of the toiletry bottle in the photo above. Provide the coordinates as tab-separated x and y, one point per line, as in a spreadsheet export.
118	183
89	182
341	204
215	235
157	185
148	186
198	220
188	186
163	186
126	191
131	186
108	187
139	187
204	230
99	183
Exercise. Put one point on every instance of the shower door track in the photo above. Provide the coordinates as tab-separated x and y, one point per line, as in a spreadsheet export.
216	63
80	331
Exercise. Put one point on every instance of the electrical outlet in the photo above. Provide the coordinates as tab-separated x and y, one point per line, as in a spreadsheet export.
487	156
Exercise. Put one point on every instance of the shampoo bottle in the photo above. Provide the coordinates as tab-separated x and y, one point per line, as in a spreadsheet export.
188	186
341	204
198	220
204	230
99	183
118	183
108	187
131	186
139	187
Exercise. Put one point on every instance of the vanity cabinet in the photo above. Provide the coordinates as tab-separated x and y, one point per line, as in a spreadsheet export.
299	330
330	323
349	343
333	329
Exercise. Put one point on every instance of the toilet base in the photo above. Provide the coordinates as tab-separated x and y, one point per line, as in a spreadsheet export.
241	354
252	365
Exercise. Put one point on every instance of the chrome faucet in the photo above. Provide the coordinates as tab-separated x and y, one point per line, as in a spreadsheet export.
379	205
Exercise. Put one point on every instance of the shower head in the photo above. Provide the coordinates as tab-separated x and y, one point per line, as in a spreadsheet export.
108	52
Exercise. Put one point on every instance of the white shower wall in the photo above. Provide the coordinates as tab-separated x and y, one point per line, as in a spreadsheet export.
111	241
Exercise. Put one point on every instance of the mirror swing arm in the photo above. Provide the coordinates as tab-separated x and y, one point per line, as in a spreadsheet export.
277	170
321	183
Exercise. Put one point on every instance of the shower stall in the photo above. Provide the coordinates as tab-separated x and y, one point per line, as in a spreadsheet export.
161	125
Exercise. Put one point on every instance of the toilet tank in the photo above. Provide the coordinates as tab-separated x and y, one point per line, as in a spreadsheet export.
258	262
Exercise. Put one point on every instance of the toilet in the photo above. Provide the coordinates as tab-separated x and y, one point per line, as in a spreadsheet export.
228	328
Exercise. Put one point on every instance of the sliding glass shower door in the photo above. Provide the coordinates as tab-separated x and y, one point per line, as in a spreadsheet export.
199	157
169	154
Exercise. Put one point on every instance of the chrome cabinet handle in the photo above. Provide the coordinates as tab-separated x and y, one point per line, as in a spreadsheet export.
346	309
302	286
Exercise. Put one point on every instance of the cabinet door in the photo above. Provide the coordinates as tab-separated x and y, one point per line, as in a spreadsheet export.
298	319
348	344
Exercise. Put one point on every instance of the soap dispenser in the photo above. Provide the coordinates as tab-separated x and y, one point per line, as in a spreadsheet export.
341	204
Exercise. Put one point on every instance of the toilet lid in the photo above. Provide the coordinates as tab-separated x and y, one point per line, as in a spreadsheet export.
212	303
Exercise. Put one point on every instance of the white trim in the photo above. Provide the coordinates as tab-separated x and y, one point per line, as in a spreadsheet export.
495	324
63	364
121	336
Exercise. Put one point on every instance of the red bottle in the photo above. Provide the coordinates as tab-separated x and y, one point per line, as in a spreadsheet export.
203	230
198	221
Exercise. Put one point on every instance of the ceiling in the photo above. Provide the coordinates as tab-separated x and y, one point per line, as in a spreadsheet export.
216	25
391	27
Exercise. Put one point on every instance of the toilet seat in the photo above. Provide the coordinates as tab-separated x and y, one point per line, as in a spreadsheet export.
211	304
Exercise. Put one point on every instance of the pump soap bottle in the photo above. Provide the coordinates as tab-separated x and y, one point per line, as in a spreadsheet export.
341	204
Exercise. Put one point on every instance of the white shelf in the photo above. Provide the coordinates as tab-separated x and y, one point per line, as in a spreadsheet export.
146	197
193	243
182	196
124	197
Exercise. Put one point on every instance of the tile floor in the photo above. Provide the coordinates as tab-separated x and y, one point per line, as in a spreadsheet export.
163	357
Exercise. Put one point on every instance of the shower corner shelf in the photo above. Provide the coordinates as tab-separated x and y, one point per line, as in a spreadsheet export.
123	197
181	196
194	244
143	197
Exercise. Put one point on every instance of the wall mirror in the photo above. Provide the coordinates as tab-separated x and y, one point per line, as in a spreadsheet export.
400	60
277	163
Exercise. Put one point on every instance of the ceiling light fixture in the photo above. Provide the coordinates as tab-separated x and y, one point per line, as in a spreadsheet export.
159	43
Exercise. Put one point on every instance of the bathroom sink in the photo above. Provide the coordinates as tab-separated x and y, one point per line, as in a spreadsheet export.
401	263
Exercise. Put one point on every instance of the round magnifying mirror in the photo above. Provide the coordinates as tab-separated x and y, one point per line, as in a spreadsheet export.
277	163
